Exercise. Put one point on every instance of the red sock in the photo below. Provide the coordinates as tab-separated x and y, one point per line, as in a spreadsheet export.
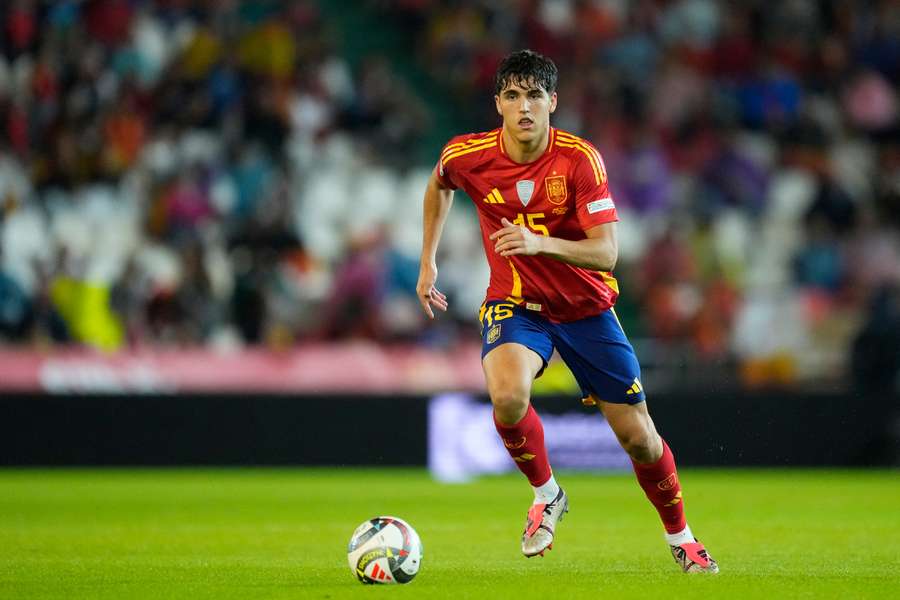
660	483
525	443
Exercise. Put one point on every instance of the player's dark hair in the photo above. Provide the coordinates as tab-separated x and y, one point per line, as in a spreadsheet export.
526	68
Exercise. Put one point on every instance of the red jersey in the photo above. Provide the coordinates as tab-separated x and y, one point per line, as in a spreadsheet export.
562	194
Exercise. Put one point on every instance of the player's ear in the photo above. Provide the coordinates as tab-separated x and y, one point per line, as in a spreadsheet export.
552	102
497	104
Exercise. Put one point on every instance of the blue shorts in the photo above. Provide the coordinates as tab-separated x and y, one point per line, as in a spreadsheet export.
595	349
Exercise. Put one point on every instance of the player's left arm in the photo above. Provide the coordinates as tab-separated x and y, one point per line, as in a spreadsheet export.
598	251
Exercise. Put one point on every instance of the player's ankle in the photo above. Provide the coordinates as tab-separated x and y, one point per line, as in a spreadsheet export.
685	536
546	493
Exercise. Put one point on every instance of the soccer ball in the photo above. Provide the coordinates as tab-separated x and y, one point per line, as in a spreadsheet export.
385	550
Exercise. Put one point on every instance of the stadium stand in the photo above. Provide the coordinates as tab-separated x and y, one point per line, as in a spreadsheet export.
182	174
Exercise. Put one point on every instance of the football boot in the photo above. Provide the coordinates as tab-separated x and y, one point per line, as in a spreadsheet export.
541	524
693	558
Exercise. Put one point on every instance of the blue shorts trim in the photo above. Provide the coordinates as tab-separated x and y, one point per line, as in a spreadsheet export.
595	349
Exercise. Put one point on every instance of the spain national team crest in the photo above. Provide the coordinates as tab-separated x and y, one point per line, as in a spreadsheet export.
493	334
556	189
525	189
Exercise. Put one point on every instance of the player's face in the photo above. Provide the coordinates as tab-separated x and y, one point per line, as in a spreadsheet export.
525	108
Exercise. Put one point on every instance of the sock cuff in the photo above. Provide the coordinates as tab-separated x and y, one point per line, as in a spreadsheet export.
665	459
518	425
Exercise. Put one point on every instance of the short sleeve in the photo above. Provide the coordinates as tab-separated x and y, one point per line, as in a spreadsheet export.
593	202
442	172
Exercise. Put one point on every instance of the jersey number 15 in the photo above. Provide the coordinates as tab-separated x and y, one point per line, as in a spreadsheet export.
532	223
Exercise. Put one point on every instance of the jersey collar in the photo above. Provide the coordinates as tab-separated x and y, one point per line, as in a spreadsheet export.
547	150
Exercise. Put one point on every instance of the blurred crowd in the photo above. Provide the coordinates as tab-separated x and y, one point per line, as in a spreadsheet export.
155	160
178	172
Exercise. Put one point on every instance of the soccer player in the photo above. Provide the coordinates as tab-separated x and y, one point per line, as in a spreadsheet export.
548	227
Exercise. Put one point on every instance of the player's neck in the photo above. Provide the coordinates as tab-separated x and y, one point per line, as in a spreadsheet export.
525	152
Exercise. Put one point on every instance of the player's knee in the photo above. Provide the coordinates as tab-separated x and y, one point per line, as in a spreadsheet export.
643	446
510	403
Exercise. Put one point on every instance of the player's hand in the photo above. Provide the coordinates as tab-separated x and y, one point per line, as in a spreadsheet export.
428	294
515	239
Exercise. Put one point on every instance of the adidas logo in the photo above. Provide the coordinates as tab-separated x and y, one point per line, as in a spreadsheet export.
494	197
379	573
674	500
636	387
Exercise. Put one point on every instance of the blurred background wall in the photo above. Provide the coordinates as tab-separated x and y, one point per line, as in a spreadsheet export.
226	197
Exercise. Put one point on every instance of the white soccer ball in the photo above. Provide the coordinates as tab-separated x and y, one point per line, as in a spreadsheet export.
385	550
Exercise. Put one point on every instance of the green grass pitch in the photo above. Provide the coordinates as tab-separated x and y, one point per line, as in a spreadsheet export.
263	533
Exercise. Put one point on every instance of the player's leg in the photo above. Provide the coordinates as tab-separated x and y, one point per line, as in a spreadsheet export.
515	351
653	462
605	366
654	466
509	370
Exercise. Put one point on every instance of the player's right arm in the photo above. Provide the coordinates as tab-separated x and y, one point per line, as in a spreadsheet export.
438	199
